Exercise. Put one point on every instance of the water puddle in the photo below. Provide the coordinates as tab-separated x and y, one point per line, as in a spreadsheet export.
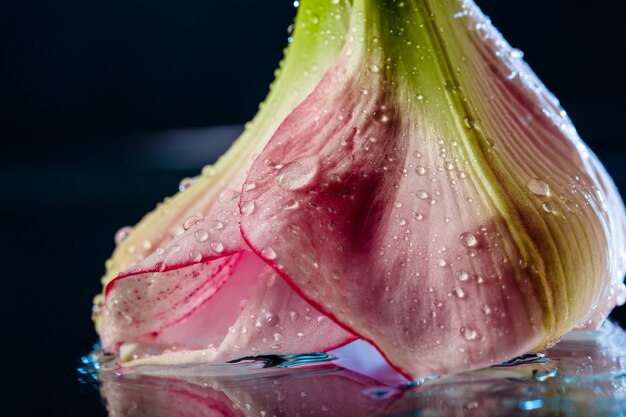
583	375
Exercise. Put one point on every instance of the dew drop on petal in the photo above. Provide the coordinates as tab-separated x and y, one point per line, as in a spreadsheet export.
549	208
190	221
469	240
201	235
217	247
122	234
247	208
469	334
268	253
195	256
420	170
297	175
539	187
462	276
458	291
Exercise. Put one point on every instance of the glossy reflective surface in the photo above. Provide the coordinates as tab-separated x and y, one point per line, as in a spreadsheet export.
583	375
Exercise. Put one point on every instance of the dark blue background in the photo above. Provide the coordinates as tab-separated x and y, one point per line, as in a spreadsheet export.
83	84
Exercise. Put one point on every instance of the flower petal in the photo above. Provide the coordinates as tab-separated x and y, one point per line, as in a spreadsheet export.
428	195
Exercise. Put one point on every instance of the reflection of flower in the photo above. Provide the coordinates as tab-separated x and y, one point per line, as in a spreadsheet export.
580	378
409	181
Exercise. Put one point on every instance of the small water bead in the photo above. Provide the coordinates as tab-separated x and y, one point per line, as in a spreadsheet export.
201	235
217	247
462	276
227	195
217	225
278	337
469	334
458	292
539	187
449	166
160	250
374	68
122	234
517	54
321	320
190	221
420	170
249	186
469	240
185	183
442	263
159	266
268	253
195	256
549	208
486	309
176	248
248	207
272	319
422	195
297	175
294	315
398	204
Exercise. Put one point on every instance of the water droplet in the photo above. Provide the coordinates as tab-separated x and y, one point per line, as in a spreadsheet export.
297	175
160	250
469	240
321	320
470	122
449	166
422	195
217	247
227	195
462	276
458	291
374	68
268	253
486	309
190	221
159	266
272	319
539	187
249	186
549	208
402	222
278	337
176	248
469	334
217	225
381	117
420	170
195	256
442	263
517	54
185	183
201	235
294	316
291	205
122	234
247	208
